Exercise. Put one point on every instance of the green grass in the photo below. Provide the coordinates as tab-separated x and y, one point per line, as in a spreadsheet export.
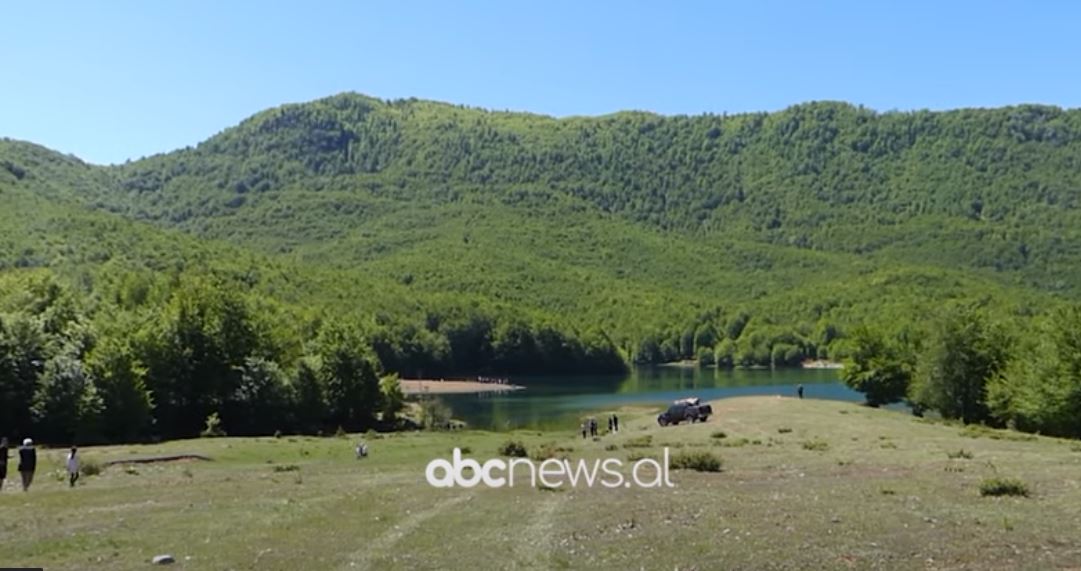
853	505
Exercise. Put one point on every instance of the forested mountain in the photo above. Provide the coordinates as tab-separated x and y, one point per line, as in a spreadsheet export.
449	239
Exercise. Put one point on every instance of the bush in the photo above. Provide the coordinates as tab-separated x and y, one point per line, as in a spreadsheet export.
611	447
718	434
91	467
514	449
287	468
213	427
784	430
699	461
638	455
1003	487
816	445
961	454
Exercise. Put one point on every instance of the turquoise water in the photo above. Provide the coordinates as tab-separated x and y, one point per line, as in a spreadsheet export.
560	402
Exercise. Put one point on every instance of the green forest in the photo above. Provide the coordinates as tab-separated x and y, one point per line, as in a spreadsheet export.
271	276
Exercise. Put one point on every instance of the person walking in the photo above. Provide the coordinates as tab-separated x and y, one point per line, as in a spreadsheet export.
3	461
28	463
73	467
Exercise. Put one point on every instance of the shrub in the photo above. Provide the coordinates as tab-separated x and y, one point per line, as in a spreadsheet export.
287	468
718	434
1003	487
611	447
514	449
212	427
91	467
638	455
961	454
699	461
784	430
816	445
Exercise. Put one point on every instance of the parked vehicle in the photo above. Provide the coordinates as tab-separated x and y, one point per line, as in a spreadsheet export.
688	409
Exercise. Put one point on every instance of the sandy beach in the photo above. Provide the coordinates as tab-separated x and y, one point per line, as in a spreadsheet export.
422	386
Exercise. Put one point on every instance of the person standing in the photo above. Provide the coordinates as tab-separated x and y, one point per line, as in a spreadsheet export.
3	461
615	422
799	391
73	467
28	463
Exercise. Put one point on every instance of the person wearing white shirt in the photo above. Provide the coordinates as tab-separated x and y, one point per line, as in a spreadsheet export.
73	467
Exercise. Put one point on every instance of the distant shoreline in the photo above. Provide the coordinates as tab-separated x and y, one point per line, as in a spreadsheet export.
436	386
813	364
821	364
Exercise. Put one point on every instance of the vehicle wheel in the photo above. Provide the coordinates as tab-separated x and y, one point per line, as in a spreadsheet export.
662	421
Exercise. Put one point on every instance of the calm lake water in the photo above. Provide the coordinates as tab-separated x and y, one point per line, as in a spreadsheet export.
559	402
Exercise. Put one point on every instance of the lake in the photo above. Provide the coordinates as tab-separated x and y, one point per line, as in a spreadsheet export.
560	402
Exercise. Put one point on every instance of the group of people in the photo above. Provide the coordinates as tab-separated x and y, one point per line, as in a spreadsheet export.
589	427
28	463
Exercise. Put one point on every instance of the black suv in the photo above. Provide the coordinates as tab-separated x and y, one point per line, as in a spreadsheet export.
689	410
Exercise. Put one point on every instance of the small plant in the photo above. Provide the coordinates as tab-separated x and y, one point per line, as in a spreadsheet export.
131	470
466	450
887	492
644	441
699	461
638	455
212	427
784	430
514	449
1003	487
286	468
816	445
611	447
888	445
737	443
719	434
961	454
91	467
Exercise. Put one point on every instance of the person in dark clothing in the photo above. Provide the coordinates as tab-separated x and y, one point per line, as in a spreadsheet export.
615	423
799	391
28	462
3	461
610	428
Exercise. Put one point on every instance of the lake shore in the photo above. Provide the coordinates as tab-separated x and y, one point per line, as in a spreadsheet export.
436	386
821	364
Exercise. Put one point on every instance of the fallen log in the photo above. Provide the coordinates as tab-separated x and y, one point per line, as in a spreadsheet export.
151	459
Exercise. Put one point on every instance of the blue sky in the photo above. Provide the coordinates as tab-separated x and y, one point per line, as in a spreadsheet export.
114	80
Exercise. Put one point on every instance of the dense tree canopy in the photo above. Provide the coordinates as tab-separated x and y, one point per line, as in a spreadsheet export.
286	263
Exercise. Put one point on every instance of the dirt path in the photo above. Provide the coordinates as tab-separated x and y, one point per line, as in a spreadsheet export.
372	551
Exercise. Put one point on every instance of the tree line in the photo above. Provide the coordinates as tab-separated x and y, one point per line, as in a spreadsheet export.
976	366
200	353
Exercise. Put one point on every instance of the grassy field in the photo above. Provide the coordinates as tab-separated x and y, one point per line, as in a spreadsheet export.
804	484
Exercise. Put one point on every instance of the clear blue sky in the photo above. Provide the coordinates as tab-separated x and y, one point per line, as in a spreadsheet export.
114	80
